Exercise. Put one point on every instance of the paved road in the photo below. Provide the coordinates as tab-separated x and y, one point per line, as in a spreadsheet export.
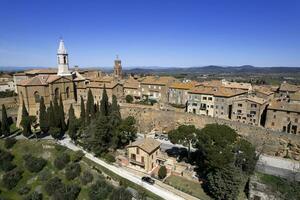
122	172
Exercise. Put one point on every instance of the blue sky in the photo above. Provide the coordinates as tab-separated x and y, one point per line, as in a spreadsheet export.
151	32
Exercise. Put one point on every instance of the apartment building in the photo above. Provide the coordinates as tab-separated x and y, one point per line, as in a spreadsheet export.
132	87
283	116
154	87
249	109
178	92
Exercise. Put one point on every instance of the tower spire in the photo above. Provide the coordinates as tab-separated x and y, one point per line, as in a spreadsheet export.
62	59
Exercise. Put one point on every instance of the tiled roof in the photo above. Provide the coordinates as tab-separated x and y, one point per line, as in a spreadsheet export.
158	80
39	80
235	85
263	89
42	71
211	83
110	85
184	86
253	99
284	106
105	79
295	96
147	144
289	87
217	91
131	83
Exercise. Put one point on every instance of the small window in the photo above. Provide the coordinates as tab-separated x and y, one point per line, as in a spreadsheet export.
296	120
288	119
137	151
253	105
204	98
210	98
273	124
142	159
274	117
240	105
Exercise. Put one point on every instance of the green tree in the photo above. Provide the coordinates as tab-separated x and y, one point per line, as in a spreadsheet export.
115	115
100	190
162	172
185	135
224	183
56	112
63	125
55	132
129	99
4	124
82	112
125	132
104	104
51	115
120	193
90	109
216	143
44	121
25	122
73	127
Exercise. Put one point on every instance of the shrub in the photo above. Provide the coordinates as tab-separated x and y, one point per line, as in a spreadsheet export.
120	193
72	171
129	99
34	164
60	148
10	179
34	196
86	177
162	172
44	175
109	158
5	160
100	190
9	142
77	156
55	132
69	192
53	185
24	190
62	160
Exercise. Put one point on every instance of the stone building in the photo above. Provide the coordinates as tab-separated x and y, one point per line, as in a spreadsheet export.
156	88
143	154
283	116
178	92
286	89
249	109
132	87
265	92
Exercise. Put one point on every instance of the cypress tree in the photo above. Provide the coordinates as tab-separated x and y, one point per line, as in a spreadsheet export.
72	131
51	116
0	130
115	115
44	123
56	112
82	112
63	125
90	109
104	105
25	122
4	125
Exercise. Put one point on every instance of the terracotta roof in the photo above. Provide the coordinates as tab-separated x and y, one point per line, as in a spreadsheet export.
158	80
105	79
5	76
289	87
100	85
253	99
147	144
41	71
217	91
263	89
184	86
211	83
236	85
284	106
131	83
39	80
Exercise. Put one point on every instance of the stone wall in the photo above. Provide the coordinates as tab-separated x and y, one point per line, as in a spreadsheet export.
151	118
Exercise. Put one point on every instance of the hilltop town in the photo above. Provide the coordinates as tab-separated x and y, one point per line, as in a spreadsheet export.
155	125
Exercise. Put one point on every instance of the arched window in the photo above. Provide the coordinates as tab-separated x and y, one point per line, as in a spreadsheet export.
36	96
68	92
65	60
56	93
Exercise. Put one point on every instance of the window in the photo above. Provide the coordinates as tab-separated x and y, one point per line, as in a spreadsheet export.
272	124
137	151
296	120
252	112
274	117
239	111
240	105
210	98
288	119
65	60
142	159
36	97
212	106
68	92
204	98
194	104
222	108
56	93
253	105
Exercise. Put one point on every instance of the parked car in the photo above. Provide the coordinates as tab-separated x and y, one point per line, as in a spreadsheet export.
148	180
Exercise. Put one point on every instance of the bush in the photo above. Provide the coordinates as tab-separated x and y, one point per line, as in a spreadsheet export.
77	156
34	164
9	142
69	192
53	185
24	190
34	196
62	160
10	179
120	193
129	99
55	132
72	171
5	160
100	190
44	175
86	177
109	158
162	172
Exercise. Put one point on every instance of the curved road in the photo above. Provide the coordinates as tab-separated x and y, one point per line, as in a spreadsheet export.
123	173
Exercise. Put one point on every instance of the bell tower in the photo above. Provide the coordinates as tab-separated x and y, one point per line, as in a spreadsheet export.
118	68
62	60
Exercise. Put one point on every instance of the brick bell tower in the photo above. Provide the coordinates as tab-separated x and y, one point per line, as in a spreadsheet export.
118	68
